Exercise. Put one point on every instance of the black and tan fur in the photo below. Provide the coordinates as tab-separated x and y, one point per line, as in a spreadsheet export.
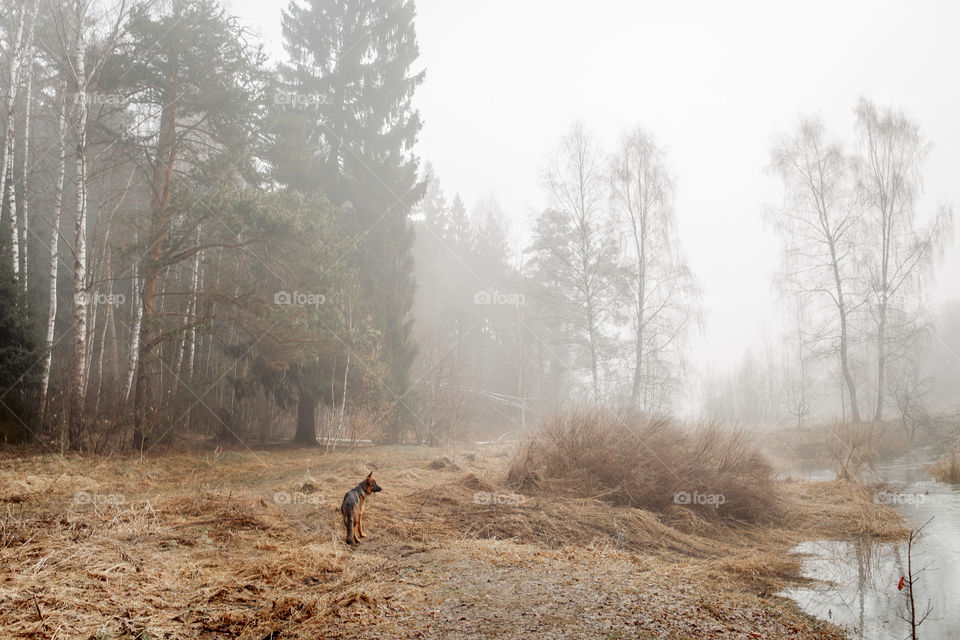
352	508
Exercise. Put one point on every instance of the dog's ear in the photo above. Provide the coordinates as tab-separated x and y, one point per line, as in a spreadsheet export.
370	475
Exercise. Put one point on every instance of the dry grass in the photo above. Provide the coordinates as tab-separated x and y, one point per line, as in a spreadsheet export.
626	458
202	547
947	468
854	449
839	509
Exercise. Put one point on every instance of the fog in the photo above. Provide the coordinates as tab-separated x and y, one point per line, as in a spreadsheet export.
716	83
645	316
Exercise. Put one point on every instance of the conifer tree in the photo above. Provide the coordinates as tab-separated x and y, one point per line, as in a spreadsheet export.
347	128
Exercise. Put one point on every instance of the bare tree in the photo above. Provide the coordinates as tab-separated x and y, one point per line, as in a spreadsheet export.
910	384
575	253
661	287
892	153
909	582
819	223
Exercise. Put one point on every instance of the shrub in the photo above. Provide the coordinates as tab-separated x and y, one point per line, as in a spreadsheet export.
627	458
947	469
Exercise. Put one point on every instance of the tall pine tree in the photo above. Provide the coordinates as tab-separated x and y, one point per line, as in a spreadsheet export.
203	82
346	129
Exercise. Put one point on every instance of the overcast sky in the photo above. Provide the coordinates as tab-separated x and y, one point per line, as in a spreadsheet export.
715	85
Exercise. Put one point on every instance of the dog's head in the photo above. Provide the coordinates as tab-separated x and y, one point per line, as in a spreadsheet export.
370	485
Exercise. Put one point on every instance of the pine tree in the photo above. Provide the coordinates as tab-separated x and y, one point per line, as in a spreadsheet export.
347	91
205	82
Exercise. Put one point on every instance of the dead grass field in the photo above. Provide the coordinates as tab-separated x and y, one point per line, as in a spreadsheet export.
248	544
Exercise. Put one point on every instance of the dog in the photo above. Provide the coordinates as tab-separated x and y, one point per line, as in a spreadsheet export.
352	508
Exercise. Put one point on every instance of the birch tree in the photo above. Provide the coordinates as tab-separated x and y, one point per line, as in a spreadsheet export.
18	57
74	43
575	254
820	223
900	255
24	201
80	292
661	288
54	245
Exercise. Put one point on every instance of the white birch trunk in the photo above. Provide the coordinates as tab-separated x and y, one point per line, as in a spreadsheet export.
24	202
6	158
192	343
54	249
20	51
134	337
81	294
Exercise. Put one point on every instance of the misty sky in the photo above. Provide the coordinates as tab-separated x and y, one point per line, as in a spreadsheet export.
715	85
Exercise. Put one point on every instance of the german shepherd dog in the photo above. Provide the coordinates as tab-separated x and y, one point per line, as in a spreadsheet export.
352	508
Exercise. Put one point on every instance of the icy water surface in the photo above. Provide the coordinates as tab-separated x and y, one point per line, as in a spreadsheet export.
860	590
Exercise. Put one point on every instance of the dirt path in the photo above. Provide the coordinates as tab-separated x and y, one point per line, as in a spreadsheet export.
507	590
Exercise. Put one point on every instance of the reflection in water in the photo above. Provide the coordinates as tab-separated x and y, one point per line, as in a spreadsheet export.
856	581
858	588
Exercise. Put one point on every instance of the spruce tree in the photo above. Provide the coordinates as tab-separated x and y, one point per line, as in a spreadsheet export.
346	129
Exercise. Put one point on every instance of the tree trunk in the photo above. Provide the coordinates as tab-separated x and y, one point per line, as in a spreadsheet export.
54	251
844	341
134	338
195	304
81	295
24	201
11	193
6	156
306	419
640	242
162	184
92	314
181	347
845	368
107	323
881	359
20	54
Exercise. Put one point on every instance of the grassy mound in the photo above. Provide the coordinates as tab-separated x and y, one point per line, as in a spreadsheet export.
628	459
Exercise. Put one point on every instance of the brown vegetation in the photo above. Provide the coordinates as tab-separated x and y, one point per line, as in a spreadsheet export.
947	468
248	543
626	458
853	450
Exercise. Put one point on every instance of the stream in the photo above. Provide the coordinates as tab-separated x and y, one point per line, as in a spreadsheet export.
857	580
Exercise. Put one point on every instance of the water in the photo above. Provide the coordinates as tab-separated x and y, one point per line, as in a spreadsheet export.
860	578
